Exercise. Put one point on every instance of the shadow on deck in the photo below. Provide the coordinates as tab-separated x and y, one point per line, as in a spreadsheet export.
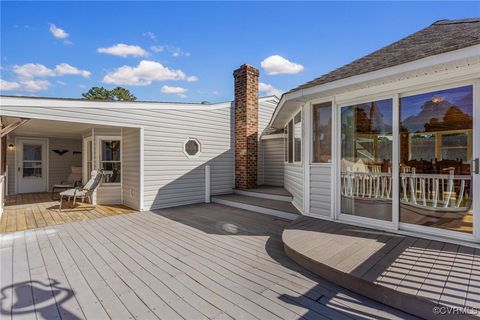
411	274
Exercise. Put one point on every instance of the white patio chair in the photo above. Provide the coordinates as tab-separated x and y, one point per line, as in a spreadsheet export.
74	180
84	192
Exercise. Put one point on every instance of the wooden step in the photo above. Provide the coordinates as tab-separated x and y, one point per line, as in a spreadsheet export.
264	194
278	208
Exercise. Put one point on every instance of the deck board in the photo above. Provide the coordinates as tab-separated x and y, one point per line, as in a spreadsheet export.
192	262
35	210
400	270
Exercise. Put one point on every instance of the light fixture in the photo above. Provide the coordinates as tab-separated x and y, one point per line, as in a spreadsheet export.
11	146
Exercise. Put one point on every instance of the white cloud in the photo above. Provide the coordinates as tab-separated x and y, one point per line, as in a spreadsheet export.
31	70
269	90
216	92
58	33
37	70
29	85
64	68
7	85
61	83
35	85
144	73
177	52
179	91
276	64
157	48
124	50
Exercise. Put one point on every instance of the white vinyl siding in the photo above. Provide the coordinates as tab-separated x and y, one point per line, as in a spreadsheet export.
131	167
60	165
320	190
294	183
273	154
265	111
170	177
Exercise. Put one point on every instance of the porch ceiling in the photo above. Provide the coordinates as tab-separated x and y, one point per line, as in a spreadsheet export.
50	128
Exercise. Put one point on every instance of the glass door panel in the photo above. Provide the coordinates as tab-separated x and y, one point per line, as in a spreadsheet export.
366	160
436	140
32	160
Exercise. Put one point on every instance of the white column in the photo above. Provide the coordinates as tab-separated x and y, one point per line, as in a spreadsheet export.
396	162
307	134
207	184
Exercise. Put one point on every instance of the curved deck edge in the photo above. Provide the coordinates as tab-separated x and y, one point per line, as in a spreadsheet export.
408	303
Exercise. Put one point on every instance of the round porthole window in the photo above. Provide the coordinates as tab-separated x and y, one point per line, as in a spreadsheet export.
192	147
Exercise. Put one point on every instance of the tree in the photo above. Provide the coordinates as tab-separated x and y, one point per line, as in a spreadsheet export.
117	94
122	94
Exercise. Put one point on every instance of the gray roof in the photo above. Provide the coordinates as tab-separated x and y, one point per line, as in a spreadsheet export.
440	37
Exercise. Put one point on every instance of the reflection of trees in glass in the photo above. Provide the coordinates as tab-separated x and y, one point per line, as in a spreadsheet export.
454	119
366	134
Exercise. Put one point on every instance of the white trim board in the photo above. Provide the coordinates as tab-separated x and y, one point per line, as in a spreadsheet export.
255	194
257	209
58	103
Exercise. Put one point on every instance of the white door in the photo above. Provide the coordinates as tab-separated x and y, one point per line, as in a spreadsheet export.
31	165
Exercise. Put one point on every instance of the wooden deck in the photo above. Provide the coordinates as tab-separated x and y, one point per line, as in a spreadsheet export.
408	273
204	261
36	210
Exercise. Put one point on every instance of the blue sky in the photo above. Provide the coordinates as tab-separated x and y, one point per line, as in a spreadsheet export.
187	51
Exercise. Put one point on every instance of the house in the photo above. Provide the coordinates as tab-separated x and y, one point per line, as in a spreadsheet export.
392	140
155	155
389	141
377	162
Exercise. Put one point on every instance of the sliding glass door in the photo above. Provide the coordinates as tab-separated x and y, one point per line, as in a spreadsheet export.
436	152
411	162
366	160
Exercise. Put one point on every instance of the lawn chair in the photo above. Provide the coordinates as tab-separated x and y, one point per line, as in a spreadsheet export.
84	192
74	180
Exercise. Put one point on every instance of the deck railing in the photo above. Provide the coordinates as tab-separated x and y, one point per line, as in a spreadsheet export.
431	191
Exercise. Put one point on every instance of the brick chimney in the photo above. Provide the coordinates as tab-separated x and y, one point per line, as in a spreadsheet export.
246	126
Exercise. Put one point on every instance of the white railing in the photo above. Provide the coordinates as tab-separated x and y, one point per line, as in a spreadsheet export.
431	191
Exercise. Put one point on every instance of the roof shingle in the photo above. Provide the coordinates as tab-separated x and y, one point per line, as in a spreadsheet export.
440	37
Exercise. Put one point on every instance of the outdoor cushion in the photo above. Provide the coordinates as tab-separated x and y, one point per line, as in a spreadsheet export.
74	192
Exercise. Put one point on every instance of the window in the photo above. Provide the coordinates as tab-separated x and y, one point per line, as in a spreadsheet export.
293	143
436	139
366	153
110	160
87	158
32	160
322	133
290	142
297	124
192	147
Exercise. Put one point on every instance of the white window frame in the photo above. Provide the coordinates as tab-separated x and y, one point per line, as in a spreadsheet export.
293	137
313	103
98	154
86	175
196	155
